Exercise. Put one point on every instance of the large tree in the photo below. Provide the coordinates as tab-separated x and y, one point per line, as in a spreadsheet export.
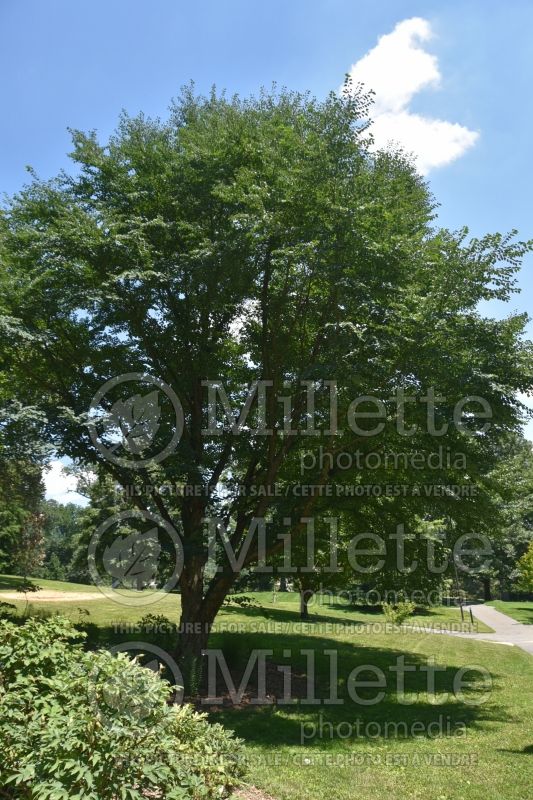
249	240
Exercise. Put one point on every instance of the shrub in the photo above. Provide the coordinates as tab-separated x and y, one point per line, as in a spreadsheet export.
157	623
398	612
241	600
7	610
77	724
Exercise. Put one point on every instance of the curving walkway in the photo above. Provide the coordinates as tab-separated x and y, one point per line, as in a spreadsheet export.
506	629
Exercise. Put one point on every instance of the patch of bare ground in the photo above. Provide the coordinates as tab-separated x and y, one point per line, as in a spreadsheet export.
50	596
274	682
251	793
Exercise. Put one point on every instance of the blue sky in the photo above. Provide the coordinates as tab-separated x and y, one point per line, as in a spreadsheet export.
77	64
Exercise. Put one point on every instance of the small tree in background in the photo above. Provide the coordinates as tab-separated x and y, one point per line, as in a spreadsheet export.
525	568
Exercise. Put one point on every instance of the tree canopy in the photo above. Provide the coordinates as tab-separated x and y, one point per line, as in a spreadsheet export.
255	240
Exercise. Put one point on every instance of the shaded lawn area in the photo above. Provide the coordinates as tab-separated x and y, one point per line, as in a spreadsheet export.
481	752
521	611
491	760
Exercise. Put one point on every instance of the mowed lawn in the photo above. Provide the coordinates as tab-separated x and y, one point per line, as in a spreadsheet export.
521	611
302	751
108	612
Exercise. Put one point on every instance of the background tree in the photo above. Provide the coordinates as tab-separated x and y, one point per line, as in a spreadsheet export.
525	570
515	477
510	489
21	493
61	530
22	455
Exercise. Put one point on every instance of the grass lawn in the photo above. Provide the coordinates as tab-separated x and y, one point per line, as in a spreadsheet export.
483	752
522	611
9	583
283	606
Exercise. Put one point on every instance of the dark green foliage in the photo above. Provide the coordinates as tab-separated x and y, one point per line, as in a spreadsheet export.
21	492
261	239
241	600
61	530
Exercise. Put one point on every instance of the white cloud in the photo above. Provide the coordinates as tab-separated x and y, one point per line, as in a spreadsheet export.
397	68
61	486
432	141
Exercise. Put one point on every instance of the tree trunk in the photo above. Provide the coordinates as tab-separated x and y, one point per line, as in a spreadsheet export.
198	612
194	626
283	583
487	594
193	638
305	595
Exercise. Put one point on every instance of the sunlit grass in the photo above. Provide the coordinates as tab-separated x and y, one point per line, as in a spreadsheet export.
491	761
521	611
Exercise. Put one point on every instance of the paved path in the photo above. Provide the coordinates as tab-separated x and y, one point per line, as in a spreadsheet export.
506	629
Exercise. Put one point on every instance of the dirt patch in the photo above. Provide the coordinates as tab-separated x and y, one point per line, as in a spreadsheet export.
274	683
50	596
251	793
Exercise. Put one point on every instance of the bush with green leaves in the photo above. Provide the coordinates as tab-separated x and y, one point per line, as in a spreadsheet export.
241	600
396	613
91	725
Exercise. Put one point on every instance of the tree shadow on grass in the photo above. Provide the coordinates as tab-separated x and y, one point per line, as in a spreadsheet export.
373	610
11	582
278	724
525	751
291	616
327	724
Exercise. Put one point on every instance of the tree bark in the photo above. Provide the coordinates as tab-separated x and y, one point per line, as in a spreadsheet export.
487	593
198	612
305	596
